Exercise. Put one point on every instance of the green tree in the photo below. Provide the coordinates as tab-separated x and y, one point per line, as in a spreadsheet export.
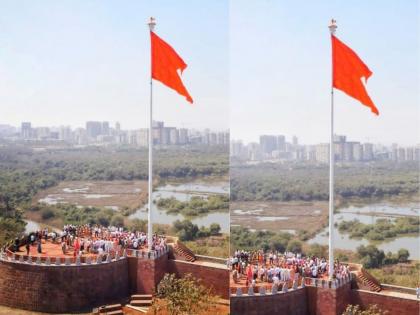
215	229
294	246
403	255
371	310
184	296
117	220
137	225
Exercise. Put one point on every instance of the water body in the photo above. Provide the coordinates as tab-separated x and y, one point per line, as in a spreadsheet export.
184	192
369	214
32	226
268	218
242	212
199	186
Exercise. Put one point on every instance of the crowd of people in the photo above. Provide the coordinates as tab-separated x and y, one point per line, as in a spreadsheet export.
92	239
275	267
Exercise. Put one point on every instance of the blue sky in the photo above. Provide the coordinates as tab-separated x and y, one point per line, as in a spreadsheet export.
65	62
280	69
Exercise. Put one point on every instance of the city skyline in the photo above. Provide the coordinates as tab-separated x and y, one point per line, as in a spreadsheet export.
101	132
289	137
112	123
279	147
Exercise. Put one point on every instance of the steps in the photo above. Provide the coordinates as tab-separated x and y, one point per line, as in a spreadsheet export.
364	280
115	309
182	250
141	302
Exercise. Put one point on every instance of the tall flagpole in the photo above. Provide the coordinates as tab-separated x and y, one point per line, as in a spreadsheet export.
332	28
151	24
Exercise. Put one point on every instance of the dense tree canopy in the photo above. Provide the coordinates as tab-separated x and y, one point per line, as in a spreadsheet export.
308	182
25	170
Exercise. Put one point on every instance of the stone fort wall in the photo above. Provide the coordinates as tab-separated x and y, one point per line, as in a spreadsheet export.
217	279
71	287
59	289
312	300
290	303
395	305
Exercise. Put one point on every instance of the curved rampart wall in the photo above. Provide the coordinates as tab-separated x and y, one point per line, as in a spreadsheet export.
290	303
59	289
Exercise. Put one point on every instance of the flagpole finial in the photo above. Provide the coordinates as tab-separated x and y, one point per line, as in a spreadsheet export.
152	24
332	26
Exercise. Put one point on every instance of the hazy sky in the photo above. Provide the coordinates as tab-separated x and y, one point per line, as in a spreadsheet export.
260	67
65	62
280	61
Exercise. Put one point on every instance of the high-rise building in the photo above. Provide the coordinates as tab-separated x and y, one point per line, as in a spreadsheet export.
401	154
80	136
357	151
65	133
410	154
254	151
173	136
348	151
281	143
26	130
367	151
268	144
42	133
183	136
165	136
322	152
417	153
105	128
236	148
93	129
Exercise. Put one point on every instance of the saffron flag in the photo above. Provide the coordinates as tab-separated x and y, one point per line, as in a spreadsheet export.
165	66
348	71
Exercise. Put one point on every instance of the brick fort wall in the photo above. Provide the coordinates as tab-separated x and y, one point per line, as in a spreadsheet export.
145	274
290	303
394	305
215	278
59	289
324	301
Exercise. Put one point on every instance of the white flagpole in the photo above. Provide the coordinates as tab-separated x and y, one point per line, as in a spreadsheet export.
332	28
151	24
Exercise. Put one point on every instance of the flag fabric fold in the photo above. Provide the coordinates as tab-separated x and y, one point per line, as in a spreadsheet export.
165	66
348	71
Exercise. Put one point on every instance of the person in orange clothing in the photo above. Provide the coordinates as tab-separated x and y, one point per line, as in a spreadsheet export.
76	247
249	273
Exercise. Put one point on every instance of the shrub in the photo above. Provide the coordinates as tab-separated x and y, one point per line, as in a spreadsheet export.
117	220
318	250
371	256
371	310
184	296
403	255
137	225
294	246
214	229
47	213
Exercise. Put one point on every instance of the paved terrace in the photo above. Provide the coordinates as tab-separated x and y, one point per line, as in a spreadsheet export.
53	254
